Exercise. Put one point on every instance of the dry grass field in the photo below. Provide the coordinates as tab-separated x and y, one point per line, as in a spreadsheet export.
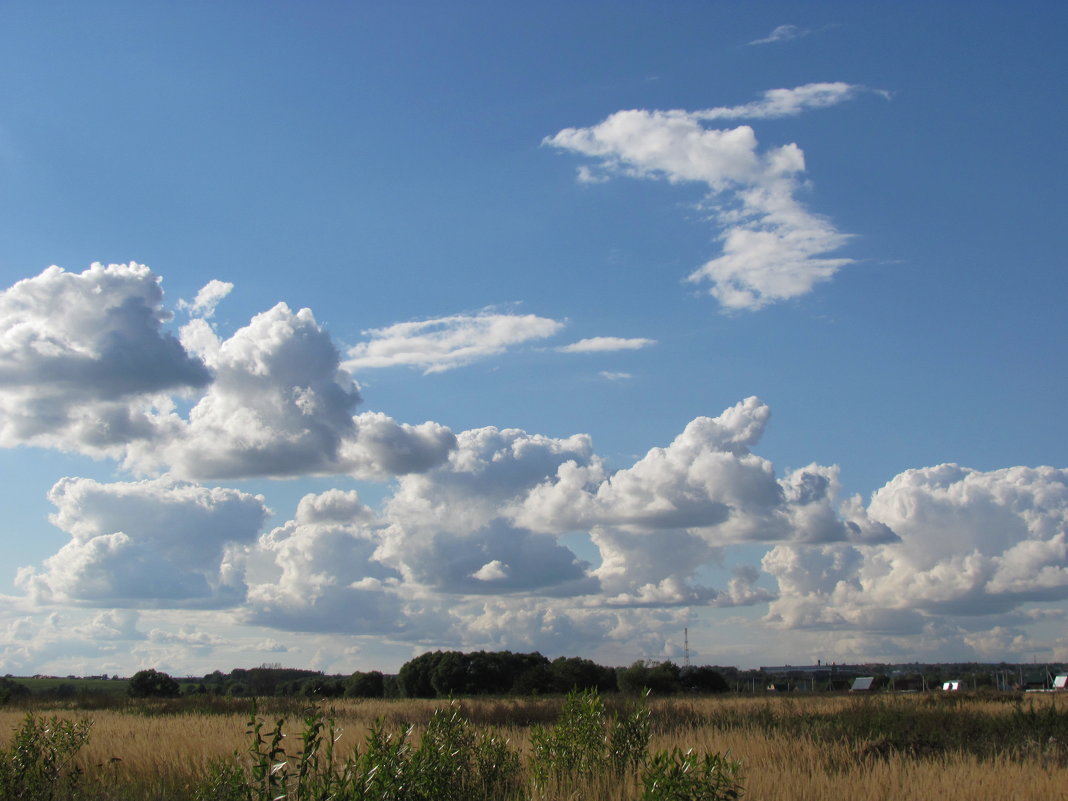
791	748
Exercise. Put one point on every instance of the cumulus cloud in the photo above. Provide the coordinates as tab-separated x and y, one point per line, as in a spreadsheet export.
448	526
445	343
773	247
382	447
84	361
320	572
86	366
968	544
659	521
604	344
279	405
150	543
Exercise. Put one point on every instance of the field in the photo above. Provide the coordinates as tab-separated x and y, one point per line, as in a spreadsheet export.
790	748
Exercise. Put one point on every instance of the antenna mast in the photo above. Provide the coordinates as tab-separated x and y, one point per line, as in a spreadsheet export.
686	641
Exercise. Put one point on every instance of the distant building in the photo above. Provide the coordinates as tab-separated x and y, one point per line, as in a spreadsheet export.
863	684
811	677
951	686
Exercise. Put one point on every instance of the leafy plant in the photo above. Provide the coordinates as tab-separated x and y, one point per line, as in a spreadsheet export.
629	737
577	745
39	764
225	781
679	776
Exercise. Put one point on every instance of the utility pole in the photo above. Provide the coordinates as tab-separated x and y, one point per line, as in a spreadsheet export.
686	644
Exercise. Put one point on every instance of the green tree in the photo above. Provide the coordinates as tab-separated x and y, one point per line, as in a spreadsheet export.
662	678
11	690
366	685
704	679
152	684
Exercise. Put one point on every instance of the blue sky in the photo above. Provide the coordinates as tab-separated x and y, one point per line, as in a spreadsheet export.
812	253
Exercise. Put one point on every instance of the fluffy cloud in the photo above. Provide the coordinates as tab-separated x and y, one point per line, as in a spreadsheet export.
85	365
447	342
84	361
603	344
773	248
207	298
658	522
450	528
969	544
149	543
279	404
320	572
470	547
382	447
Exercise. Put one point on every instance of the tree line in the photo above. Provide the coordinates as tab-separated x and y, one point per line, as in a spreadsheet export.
440	674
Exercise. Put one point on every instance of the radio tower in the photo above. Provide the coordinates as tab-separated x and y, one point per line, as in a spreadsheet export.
686	644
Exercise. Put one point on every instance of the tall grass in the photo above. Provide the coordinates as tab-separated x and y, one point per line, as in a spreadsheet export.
789	748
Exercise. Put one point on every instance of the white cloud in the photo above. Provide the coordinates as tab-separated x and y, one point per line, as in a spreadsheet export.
451	523
278	406
321	572
615	376
605	344
658	522
207	298
783	33
969	544
445	343
142	544
491	571
785	102
86	366
773	248
84	362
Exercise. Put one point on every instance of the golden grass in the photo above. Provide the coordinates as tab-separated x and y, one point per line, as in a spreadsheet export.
173	749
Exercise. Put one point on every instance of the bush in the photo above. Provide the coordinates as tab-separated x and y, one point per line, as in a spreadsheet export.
12	691
39	764
451	763
678	776
586	744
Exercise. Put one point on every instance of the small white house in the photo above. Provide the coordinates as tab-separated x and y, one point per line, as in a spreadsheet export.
863	684
951	686
1061	682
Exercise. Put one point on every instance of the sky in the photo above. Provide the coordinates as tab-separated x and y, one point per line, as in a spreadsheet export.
336	332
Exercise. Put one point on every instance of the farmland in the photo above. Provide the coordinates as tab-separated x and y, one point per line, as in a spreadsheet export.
787	748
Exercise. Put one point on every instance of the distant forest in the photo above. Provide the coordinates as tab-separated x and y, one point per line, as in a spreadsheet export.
442	674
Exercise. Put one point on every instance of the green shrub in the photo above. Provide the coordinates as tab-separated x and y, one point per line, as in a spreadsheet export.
678	776
576	746
451	763
152	684
38	765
